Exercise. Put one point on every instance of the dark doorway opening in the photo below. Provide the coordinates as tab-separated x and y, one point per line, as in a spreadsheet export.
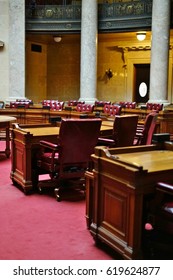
141	75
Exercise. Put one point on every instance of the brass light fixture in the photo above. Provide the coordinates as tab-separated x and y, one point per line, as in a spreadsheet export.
109	73
141	35
57	39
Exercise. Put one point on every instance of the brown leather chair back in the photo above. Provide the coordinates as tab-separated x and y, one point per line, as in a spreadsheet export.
149	128
84	107
71	156
77	140
124	130
154	106
112	110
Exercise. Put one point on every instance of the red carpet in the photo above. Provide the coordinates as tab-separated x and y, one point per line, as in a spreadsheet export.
37	227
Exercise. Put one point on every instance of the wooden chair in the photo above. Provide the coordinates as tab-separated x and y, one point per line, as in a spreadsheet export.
112	110
48	103
127	104
20	104
75	102
158	229
70	157
101	103
57	106
124	130
145	133
154	106
25	100
84	107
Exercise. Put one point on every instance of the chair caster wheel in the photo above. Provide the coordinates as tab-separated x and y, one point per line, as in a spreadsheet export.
25	192
58	199
40	190
56	191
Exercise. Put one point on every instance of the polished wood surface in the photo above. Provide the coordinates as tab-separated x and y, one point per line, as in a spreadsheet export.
40	115
37	115
42	131
25	145
117	192
54	130
5	126
152	161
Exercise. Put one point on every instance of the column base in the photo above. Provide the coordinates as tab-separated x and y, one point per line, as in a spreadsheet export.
159	101
88	100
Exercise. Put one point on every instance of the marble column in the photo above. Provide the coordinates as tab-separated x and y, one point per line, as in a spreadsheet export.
88	67
160	51
16	49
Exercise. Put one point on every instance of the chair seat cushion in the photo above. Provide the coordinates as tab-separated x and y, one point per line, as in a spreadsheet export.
47	157
45	162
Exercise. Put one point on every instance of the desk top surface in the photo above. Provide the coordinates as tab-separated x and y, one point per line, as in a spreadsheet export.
41	131
6	118
51	130
108	123
152	161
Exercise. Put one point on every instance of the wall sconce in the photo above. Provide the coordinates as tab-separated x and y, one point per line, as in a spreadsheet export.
57	39
109	73
1	44
141	35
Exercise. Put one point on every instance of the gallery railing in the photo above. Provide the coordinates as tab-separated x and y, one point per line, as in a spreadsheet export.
125	15
63	18
120	16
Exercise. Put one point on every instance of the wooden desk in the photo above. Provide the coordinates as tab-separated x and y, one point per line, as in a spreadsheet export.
5	125
117	191
25	145
35	115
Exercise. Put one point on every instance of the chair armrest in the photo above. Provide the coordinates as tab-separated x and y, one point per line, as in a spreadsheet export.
106	142
49	145
164	187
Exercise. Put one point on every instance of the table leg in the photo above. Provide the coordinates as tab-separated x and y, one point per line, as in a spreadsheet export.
7	149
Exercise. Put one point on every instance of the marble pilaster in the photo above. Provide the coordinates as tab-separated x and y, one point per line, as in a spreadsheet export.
16	49
88	68
4	55
160	51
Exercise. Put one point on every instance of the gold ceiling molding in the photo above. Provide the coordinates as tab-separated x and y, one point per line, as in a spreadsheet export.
134	48
125	49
